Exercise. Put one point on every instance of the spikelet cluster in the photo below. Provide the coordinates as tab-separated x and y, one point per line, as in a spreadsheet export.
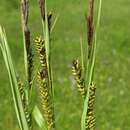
25	105
45	97
77	72
45	101
40	46
90	119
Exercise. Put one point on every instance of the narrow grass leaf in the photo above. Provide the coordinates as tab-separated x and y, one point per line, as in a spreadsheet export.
54	23
39	118
13	81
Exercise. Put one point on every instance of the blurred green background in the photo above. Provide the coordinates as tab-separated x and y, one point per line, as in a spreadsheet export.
112	65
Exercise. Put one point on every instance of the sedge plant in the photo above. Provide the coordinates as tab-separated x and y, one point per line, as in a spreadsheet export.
84	72
22	90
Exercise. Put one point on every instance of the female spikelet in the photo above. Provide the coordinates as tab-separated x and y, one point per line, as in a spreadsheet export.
45	97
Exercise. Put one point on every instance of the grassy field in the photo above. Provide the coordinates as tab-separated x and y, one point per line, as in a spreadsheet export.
112	66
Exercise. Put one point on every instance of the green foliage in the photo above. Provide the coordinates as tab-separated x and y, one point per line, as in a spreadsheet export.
39	118
13	81
13	4
112	75
90	70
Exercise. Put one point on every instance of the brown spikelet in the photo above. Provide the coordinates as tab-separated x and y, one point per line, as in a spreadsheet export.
49	21
90	120
24	102
42	8
77	72
30	66
26	33
42	12
90	27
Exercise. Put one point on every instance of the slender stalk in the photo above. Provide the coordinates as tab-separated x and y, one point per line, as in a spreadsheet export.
82	56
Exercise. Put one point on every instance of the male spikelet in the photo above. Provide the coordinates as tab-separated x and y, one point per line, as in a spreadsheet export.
45	97
26	34
25	105
90	27
42	12
77	72
42	8
90	119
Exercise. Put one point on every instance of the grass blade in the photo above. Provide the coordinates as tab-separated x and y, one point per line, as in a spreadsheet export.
13	81
38	118
54	23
